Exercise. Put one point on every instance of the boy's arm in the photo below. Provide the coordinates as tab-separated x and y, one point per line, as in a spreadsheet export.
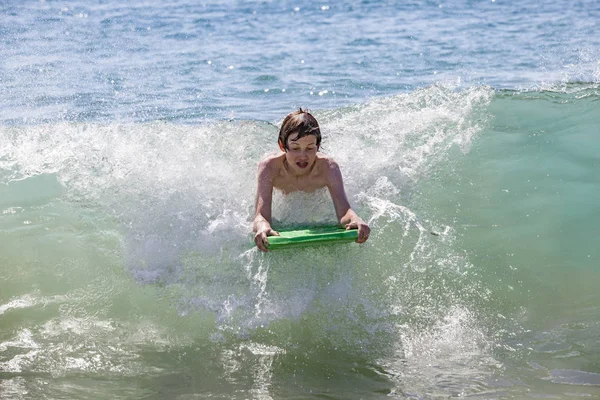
264	198
346	216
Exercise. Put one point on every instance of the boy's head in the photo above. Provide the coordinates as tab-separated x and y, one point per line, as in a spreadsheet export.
299	122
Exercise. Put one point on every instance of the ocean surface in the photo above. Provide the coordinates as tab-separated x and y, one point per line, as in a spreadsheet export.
468	134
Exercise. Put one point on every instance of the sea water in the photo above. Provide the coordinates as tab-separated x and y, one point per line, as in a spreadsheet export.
467	134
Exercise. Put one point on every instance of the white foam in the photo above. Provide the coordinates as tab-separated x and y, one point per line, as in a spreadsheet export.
183	198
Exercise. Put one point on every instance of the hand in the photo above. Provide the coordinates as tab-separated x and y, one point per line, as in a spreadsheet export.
261	238
363	230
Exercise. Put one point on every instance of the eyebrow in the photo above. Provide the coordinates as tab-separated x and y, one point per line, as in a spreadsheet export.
295	141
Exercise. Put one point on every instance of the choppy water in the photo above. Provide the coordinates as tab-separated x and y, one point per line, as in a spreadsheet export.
467	136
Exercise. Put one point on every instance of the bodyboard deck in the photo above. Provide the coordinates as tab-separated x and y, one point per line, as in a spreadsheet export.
312	236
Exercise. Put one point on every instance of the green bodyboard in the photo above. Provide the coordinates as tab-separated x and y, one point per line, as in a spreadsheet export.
312	236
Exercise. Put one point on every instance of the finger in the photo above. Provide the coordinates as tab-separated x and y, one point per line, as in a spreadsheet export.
273	233
366	232
260	240
262	247
363	234
351	225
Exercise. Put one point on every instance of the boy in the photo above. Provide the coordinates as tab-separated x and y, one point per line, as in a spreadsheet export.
300	167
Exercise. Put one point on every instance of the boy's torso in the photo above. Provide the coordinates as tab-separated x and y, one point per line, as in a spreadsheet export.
287	182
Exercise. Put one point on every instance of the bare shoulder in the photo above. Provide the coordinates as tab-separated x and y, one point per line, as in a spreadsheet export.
326	161
327	165
271	158
270	163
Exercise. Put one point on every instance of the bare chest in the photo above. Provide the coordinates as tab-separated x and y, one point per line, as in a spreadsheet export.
289	184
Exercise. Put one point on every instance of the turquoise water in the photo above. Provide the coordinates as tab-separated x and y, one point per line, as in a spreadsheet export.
467	136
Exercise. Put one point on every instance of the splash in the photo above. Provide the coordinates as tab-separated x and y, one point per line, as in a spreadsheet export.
182	198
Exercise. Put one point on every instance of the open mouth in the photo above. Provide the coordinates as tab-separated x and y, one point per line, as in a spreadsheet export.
302	164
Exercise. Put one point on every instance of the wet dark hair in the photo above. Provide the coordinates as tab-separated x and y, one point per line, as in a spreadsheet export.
302	123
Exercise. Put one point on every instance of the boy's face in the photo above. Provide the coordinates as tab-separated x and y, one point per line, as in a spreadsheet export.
301	153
